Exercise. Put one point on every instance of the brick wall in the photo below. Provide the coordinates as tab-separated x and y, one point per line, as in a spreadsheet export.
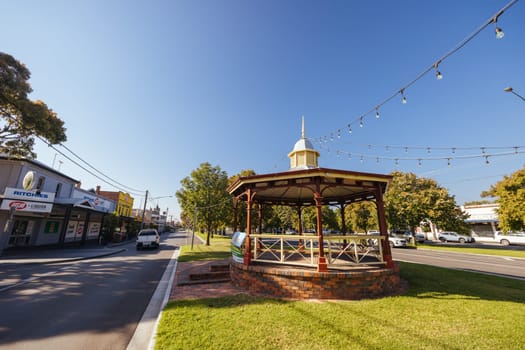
289	282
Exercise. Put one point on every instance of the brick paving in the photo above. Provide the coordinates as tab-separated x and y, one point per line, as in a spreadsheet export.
210	289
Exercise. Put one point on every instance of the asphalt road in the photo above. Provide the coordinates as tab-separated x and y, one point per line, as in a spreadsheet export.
505	266
90	304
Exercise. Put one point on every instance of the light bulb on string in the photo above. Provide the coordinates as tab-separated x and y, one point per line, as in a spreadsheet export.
377	112
361	122
406	149
515	150
487	160
349	155
428	150
331	136
439	76
499	32
377	160
349	128
339	133
419	162
403	98
448	162
361	160
483	150
453	150
397	161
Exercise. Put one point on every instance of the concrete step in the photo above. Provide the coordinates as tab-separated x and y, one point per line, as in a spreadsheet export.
187	283
209	275
221	267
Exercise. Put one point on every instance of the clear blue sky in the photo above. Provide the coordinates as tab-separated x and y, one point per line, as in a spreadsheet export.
149	90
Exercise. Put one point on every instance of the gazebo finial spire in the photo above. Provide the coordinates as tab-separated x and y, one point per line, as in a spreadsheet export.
303	155
303	135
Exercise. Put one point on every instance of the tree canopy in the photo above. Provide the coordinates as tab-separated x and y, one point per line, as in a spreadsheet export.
204	194
361	216
21	119
511	196
409	200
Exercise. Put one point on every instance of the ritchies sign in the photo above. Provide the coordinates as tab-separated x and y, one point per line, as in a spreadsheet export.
17	193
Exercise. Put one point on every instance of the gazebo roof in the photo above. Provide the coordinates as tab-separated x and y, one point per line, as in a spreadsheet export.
297	187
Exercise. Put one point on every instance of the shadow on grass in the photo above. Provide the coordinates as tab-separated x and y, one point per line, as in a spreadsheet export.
435	282
223	302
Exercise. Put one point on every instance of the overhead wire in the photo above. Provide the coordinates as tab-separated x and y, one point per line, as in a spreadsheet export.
401	91
121	187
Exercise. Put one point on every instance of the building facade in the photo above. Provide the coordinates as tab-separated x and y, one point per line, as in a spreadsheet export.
41	206
483	219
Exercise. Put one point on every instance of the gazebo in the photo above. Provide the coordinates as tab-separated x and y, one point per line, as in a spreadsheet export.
290	265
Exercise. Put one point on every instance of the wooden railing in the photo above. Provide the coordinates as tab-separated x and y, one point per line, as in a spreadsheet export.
339	250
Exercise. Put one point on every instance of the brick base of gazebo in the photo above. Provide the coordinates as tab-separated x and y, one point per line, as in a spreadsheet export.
289	282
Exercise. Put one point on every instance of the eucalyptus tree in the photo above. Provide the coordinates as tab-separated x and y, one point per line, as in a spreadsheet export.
510	194
241	206
203	197
361	216
410	200
21	119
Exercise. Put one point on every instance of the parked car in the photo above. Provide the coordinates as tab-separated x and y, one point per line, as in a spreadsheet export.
400	233
455	237
420	237
393	239
396	241
148	238
510	238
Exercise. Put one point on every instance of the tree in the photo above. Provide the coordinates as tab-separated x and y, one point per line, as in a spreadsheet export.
330	216
21	119
204	194
361	216
409	200
511	196
241	209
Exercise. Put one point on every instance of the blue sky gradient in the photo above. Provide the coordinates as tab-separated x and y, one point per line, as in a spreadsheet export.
149	90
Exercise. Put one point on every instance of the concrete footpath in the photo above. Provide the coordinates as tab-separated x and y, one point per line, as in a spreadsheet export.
60	255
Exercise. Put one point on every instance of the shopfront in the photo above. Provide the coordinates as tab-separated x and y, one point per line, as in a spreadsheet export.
26	211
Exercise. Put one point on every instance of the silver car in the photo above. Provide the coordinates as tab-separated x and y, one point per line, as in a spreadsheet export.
455	237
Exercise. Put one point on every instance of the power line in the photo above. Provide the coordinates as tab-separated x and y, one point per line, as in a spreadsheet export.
87	170
101	173
74	162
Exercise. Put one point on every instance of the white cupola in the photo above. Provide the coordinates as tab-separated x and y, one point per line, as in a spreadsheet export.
303	155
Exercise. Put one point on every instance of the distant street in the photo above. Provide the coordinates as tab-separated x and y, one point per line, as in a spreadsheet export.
508	266
91	304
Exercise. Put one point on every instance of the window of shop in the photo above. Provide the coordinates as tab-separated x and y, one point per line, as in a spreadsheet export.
40	183
21	233
57	190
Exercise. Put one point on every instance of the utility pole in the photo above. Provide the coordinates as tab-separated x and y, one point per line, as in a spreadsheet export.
144	211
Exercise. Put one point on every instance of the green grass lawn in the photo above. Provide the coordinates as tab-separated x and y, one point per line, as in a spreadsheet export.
219	248
443	309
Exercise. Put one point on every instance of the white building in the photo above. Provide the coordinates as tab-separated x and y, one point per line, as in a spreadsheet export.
483	219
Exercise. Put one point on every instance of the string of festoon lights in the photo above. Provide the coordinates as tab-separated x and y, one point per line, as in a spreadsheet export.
402	92
485	154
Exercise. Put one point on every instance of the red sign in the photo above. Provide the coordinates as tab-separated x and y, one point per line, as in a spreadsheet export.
18	205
